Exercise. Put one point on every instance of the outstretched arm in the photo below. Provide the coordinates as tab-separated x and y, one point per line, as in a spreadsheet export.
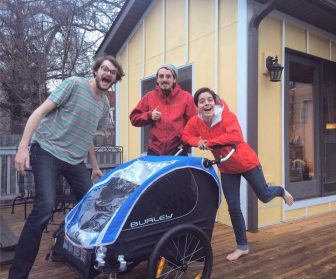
96	172
22	155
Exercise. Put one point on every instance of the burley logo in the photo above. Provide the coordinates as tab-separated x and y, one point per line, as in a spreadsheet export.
151	220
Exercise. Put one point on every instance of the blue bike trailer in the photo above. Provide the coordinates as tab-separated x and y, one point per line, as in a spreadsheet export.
138	211
146	193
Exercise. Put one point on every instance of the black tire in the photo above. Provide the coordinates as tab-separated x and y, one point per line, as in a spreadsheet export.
186	253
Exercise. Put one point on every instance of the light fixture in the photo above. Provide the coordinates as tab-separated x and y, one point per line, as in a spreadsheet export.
274	68
331	126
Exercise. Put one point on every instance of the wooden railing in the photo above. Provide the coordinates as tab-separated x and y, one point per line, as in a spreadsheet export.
8	180
108	156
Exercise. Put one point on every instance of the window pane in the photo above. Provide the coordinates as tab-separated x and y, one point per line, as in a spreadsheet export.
146	85
301	135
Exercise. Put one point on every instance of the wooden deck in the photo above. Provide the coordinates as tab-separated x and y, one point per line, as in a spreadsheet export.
299	249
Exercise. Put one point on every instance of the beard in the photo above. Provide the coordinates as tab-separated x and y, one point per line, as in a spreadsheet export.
167	91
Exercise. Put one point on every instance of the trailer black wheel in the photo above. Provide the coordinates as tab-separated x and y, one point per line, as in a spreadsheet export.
182	252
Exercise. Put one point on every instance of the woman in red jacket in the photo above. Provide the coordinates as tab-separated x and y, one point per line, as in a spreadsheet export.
214	125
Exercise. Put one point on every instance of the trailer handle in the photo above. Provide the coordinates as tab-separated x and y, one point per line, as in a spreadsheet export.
208	163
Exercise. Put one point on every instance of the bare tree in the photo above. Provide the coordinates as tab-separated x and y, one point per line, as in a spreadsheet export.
42	41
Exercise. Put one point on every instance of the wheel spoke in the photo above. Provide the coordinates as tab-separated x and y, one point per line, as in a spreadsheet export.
183	253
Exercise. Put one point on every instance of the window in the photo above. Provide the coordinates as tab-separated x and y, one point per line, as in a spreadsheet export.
148	84
303	174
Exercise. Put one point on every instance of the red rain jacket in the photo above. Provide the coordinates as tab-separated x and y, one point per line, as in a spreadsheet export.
224	130
176	109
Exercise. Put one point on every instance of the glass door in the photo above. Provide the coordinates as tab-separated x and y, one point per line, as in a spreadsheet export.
328	128
301	132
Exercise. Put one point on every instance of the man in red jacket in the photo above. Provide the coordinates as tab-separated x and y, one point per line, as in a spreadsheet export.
166	109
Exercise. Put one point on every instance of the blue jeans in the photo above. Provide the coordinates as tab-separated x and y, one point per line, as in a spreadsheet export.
46	169
231	189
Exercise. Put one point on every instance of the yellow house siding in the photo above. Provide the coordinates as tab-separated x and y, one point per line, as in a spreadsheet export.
153	42
227	69
176	32
169	38
270	107
135	69
123	105
134	134
310	210
296	37
201	44
317	209
295	214
227	53
269	214
270	118
318	46
333	206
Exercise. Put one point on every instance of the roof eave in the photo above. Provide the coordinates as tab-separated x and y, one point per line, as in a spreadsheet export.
127	19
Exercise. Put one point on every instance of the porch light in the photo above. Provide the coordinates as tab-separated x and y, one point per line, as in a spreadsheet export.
331	126
274	68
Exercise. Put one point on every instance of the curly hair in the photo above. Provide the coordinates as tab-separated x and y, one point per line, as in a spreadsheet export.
113	60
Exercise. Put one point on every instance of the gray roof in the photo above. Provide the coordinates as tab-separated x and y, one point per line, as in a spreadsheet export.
319	13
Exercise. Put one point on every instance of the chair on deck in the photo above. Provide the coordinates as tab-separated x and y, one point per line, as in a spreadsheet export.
65	199
26	188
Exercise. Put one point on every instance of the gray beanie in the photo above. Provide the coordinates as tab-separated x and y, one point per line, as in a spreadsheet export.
171	68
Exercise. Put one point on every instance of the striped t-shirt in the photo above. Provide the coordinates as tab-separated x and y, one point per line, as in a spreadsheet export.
68	131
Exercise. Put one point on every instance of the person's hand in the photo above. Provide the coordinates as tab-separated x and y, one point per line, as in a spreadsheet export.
22	160
202	144
156	115
95	175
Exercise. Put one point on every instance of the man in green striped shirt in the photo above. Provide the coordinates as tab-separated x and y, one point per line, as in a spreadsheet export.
61	132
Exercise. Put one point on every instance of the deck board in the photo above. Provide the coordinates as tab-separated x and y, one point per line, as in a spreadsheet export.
303	248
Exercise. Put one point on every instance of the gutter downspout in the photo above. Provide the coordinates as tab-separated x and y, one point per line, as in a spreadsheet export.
252	102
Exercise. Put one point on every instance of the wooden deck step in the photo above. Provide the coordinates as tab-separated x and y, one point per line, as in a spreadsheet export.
8	242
